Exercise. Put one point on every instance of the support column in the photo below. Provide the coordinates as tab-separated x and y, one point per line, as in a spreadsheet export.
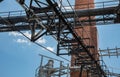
88	34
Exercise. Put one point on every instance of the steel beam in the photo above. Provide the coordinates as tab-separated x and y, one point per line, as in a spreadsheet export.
75	36
70	14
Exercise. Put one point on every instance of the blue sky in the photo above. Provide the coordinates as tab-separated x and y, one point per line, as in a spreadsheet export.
19	57
109	38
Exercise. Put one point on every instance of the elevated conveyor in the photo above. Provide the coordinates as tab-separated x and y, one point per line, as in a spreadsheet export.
103	15
60	23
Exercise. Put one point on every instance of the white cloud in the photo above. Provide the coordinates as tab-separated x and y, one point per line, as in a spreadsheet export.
27	34
21	41
14	34
19	34
68	8
41	41
24	40
65	5
50	48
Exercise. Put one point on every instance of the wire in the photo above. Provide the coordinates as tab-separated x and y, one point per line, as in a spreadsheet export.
82	26
35	42
50	57
78	18
43	46
116	68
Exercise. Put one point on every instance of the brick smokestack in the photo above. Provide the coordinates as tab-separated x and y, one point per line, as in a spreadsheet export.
88	33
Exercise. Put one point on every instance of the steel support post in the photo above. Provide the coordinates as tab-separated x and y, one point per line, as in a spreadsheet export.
75	35
81	70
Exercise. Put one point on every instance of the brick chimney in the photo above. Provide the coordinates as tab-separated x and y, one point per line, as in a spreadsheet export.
88	33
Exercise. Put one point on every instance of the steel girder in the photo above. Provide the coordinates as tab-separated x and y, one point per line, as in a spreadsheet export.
55	22
80	13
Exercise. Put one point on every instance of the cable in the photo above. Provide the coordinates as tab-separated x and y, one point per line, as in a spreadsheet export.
79	21
116	68
35	42
43	46
77	17
91	40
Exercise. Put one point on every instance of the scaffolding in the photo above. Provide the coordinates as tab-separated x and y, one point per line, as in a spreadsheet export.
110	52
52	68
51	18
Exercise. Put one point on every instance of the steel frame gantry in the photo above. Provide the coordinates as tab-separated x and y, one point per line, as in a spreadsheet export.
60	32
53	21
104	15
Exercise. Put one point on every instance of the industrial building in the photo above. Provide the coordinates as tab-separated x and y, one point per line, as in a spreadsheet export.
74	28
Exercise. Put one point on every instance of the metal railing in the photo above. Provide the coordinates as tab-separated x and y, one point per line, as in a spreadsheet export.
13	13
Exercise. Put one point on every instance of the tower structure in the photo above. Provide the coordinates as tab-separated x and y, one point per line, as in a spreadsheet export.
88	34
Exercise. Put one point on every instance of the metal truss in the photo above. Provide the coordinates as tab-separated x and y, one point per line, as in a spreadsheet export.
104	13
48	18
52	68
110	52
114	74
64	32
